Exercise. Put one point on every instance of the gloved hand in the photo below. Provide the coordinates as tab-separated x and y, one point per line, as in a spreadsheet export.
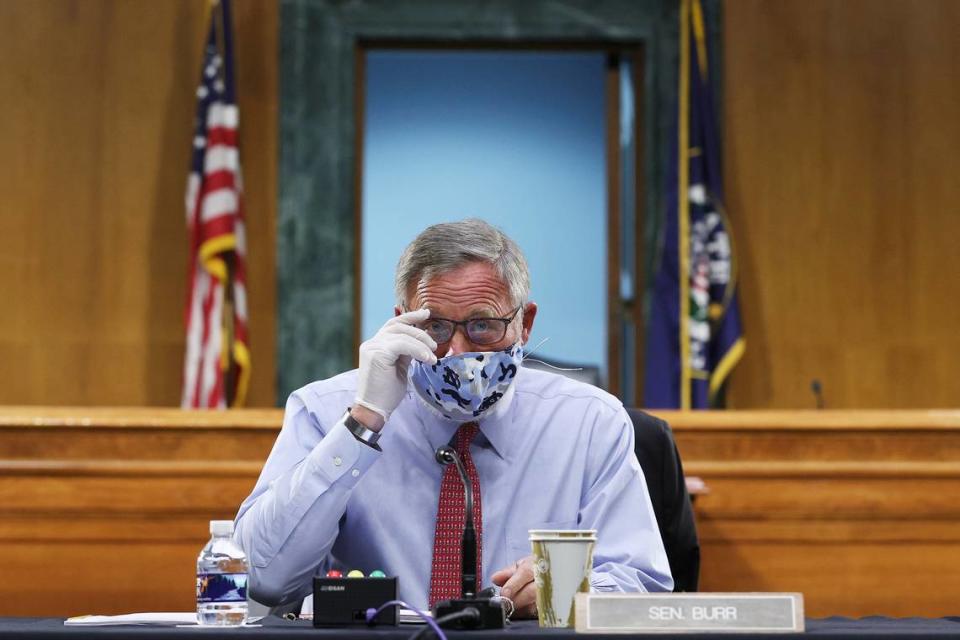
384	360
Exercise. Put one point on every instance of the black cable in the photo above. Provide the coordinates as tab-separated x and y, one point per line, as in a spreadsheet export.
469	612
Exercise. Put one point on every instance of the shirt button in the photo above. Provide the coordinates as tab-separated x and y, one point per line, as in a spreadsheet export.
355	473
337	461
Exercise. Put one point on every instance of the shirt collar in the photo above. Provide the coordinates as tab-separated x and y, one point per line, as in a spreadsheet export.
496	427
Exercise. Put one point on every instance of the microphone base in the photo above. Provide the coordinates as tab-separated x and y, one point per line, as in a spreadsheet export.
491	613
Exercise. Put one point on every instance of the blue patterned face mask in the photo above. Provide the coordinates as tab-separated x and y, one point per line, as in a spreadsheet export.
464	386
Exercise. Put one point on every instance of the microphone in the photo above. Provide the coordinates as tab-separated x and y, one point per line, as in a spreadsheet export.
446	455
472	610
817	389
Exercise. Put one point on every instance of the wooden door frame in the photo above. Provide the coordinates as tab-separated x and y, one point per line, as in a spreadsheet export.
621	315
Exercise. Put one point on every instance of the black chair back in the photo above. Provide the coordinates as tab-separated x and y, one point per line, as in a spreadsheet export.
660	461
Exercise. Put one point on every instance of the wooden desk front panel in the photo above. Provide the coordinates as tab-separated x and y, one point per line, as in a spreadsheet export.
105	510
857	510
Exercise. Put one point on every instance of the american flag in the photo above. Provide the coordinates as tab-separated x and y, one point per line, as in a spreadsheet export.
216	368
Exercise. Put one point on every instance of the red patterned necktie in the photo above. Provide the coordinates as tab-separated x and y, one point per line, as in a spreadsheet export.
446	575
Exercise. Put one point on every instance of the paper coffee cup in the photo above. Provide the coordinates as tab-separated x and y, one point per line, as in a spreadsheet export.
562	561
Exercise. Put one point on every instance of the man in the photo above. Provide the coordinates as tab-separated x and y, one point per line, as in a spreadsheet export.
352	481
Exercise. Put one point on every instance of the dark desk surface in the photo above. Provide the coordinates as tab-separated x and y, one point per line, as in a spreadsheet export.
887	628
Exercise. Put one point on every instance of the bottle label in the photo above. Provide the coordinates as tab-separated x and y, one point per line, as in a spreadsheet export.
221	587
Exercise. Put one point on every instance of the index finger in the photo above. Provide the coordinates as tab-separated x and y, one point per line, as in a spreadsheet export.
412	317
520	578
500	576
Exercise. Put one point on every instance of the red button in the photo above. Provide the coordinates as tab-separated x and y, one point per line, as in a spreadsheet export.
333	573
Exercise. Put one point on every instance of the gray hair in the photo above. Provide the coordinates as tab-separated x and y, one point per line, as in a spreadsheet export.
444	247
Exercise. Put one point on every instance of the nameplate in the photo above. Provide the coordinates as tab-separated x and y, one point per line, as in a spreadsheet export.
689	612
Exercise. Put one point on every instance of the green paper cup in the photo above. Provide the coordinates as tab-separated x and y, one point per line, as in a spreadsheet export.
562	561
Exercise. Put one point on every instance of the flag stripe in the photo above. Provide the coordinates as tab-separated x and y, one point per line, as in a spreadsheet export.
223	115
221	157
191	366
222	202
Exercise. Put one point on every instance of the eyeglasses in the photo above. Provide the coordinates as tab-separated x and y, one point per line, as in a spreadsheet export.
480	331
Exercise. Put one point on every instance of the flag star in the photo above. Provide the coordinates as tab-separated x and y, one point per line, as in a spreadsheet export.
210	71
697	193
202	92
218	85
199	142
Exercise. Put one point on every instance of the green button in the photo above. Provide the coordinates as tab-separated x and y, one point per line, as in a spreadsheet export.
376	573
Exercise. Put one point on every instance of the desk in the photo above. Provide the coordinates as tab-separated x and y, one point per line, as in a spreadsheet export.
279	629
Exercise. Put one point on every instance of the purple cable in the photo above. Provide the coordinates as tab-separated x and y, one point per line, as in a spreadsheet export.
373	613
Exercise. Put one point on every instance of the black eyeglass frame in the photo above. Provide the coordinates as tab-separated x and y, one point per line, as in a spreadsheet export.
466	326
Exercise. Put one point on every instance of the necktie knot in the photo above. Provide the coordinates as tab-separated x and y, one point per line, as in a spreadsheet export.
465	435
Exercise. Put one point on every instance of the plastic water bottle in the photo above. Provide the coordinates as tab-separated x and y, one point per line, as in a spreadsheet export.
222	572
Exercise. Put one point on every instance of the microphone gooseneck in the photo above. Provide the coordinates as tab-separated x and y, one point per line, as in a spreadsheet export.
473	610
817	389
446	455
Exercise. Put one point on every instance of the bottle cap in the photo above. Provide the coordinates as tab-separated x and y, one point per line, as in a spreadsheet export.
221	527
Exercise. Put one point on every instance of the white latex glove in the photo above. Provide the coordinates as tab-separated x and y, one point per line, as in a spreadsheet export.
385	358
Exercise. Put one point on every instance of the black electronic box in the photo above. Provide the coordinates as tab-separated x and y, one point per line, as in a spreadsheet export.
339	602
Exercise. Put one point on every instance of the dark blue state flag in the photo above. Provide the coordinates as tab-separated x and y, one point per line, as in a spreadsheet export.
694	336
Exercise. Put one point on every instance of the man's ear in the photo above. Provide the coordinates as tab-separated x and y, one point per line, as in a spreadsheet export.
529	315
397	311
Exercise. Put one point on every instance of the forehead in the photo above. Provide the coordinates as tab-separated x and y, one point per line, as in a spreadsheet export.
473	286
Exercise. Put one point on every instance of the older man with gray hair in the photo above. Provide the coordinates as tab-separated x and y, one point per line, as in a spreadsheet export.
352	482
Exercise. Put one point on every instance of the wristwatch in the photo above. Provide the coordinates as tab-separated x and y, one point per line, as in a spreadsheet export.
360	432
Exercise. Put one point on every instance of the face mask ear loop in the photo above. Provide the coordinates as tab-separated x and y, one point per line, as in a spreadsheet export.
527	354
546	364
553	366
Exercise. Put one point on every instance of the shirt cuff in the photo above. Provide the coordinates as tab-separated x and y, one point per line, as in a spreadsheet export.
341	458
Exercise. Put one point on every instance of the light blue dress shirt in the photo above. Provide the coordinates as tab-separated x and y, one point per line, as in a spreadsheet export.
557	455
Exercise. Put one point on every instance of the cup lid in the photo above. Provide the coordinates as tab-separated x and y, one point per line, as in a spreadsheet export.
563	534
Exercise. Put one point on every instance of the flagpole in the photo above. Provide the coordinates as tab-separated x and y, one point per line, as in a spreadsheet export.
683	202
208	16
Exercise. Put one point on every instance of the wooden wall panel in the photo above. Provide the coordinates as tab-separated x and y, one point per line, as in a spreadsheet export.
96	110
840	133
840	129
857	510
